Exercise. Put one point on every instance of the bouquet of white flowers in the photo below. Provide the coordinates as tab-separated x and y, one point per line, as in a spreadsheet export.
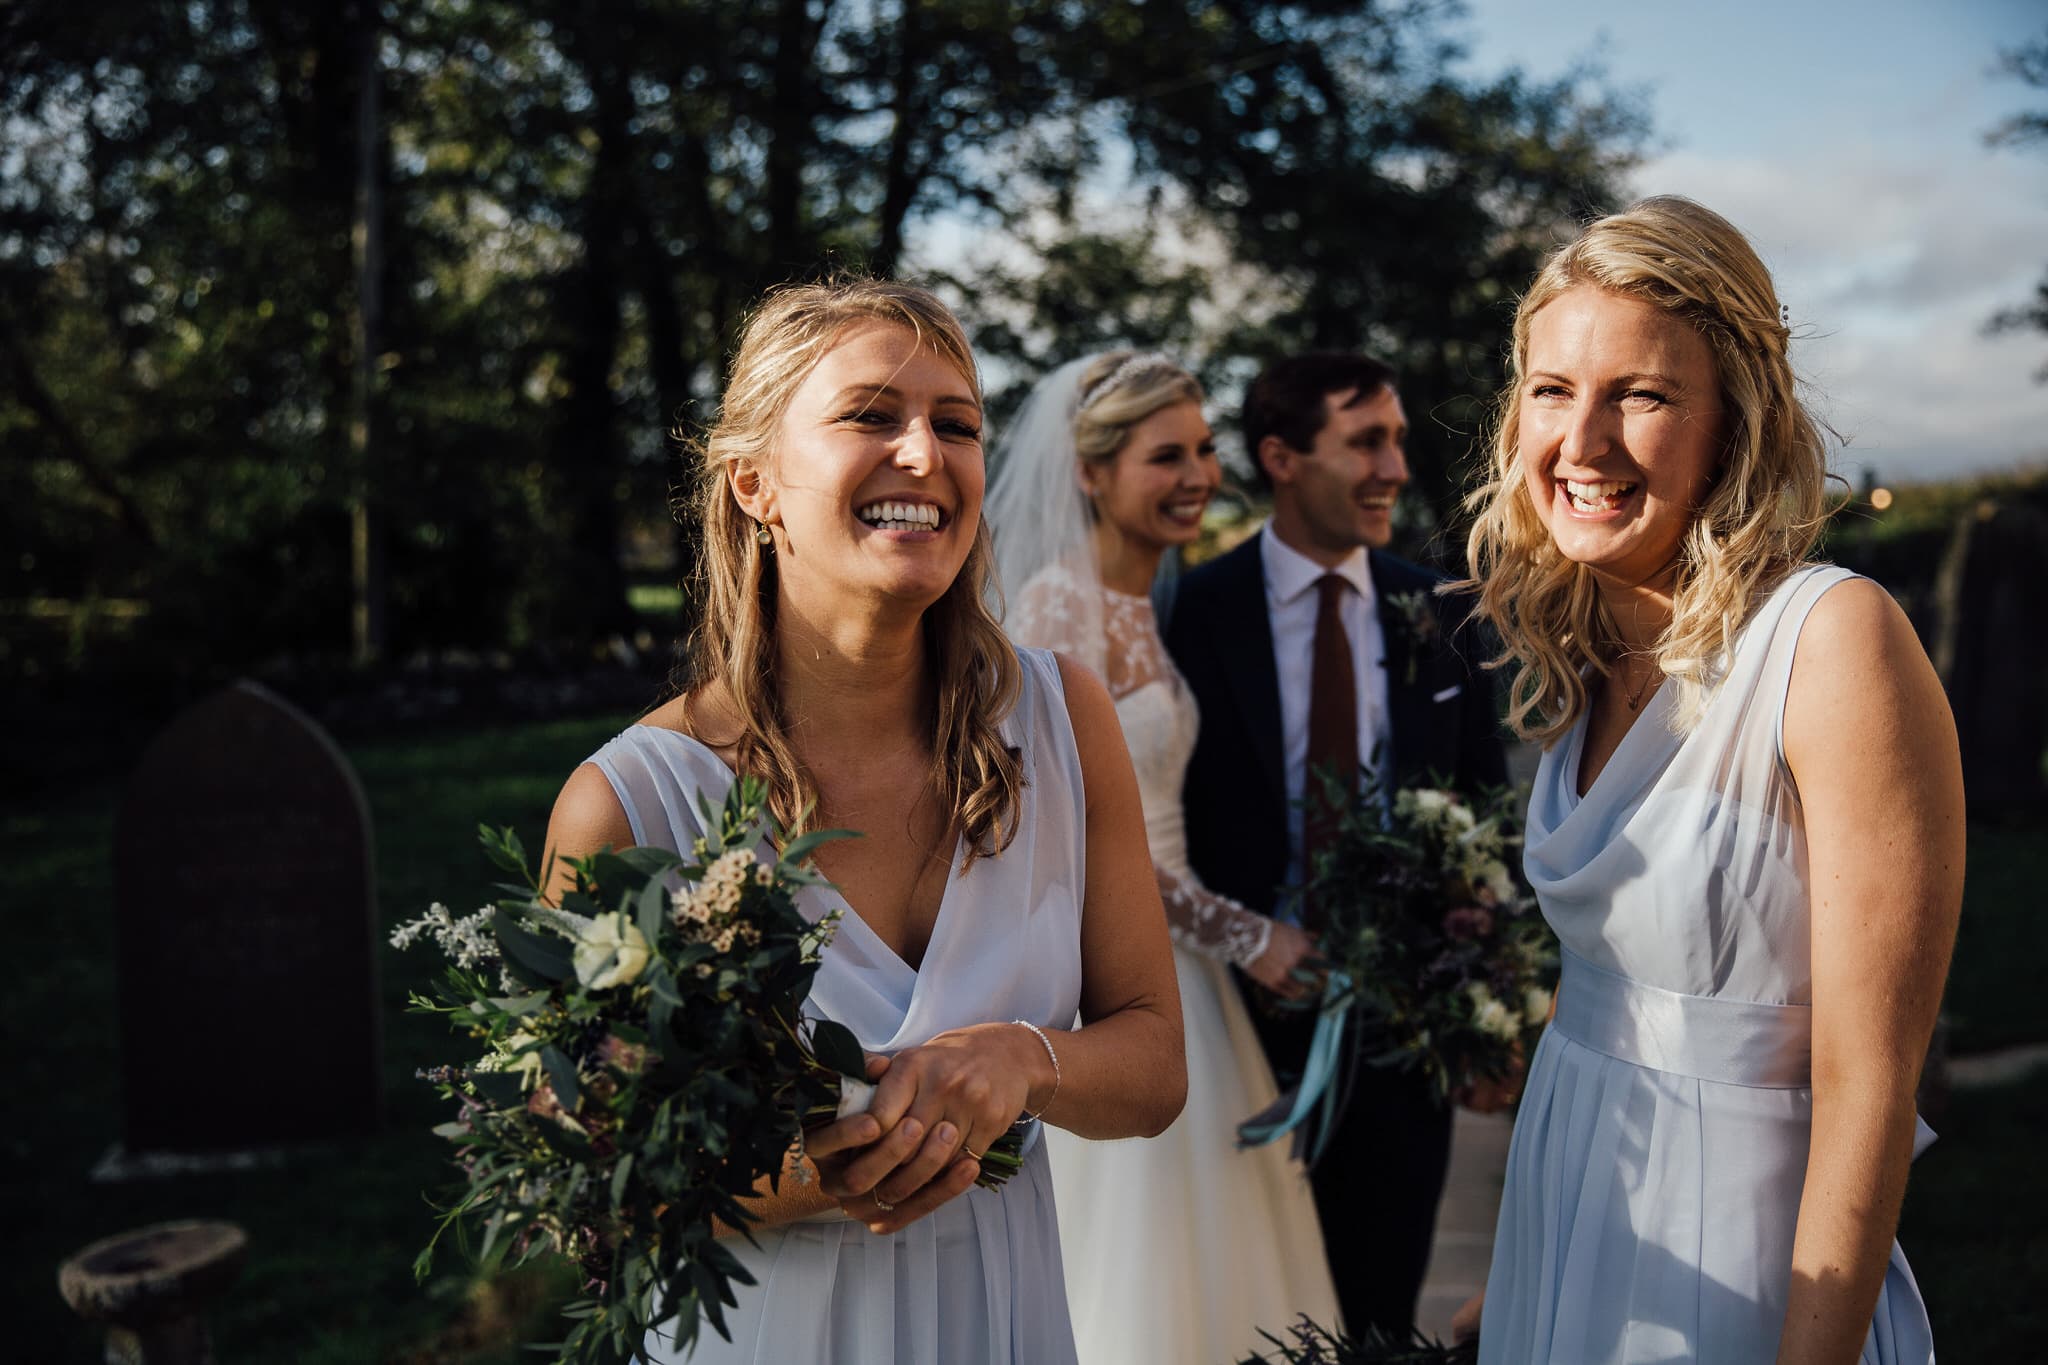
644	1063
1430	937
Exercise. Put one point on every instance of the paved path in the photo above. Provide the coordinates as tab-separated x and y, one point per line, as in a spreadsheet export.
1464	1222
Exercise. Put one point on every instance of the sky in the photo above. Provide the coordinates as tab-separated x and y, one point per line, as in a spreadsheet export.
1846	138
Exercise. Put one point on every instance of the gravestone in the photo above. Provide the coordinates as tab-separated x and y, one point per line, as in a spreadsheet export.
246	917
1991	650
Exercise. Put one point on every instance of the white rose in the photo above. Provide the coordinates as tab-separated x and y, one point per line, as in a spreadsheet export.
1536	1004
610	952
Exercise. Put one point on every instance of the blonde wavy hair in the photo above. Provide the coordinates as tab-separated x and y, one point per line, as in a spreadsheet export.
1133	385
1760	516
973	668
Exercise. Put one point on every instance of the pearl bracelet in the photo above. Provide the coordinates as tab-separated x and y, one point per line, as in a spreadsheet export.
1055	1066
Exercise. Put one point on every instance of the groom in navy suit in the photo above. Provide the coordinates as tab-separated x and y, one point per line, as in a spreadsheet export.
1309	646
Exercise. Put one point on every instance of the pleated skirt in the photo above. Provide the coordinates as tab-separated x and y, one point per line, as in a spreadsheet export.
1648	1217
977	1281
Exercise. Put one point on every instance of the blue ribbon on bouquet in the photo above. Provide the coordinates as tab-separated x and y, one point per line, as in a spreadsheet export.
1316	1101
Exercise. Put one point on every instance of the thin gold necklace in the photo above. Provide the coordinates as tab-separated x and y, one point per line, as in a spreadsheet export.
1634	695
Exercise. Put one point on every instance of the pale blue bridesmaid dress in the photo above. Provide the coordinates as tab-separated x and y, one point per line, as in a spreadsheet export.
1654	1178
978	1280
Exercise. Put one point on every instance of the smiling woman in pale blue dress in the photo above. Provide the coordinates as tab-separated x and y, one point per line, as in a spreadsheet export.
845	656
1746	828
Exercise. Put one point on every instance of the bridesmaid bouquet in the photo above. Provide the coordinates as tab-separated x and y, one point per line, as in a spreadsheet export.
1312	1344
643	1063
1426	932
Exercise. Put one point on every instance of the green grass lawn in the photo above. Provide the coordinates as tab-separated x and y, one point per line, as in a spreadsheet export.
333	1232
1993	999
1975	1226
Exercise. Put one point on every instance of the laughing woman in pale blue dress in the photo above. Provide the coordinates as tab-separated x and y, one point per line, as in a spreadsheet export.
1747	830
845	655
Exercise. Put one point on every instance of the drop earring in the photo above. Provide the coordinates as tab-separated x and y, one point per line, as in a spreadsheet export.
762	535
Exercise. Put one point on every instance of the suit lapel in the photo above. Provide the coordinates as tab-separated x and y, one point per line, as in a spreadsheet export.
1408	675
1248	659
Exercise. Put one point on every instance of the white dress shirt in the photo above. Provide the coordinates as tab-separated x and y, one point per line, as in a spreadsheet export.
1291	602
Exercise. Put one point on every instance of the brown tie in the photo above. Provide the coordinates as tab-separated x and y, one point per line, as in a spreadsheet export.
1332	716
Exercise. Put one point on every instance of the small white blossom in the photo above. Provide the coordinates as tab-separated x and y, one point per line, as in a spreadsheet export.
466	942
1421	805
1491	875
1536	1004
517	1053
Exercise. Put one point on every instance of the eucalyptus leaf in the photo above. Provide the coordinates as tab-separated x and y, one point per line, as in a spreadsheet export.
652	909
649	862
621	1175
502	847
834	1045
546	955
799	848
615	876
499	1089
562	1075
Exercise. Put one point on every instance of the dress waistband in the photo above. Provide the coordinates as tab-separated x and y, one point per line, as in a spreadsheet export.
1733	1042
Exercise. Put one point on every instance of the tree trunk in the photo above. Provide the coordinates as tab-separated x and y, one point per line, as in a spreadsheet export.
789	136
366	517
899	178
587	455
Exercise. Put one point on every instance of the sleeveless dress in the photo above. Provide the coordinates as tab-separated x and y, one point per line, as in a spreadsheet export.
1179	1249
1655	1173
977	1281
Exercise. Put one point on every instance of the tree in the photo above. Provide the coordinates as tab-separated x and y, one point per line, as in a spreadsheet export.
2029	62
1350	191
578	199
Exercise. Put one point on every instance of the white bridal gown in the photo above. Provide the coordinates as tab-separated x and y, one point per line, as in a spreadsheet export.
1655	1173
979	1279
1179	1249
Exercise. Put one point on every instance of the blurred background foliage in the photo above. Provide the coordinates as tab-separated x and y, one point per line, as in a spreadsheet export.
382	312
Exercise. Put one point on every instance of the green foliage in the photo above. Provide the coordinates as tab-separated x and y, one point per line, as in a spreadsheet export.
1439	943
1310	1343
642	1073
575	206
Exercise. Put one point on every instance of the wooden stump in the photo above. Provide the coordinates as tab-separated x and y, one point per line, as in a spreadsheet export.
151	1288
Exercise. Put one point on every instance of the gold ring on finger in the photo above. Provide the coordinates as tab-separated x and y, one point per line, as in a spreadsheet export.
884	1205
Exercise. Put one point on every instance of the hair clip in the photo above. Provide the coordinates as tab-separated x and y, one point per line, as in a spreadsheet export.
1785	316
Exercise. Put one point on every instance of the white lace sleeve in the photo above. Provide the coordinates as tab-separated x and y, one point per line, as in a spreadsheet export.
1212	924
1058	610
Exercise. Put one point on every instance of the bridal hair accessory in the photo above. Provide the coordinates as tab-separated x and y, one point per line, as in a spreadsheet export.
1124	373
1055	1067
1784	315
762	534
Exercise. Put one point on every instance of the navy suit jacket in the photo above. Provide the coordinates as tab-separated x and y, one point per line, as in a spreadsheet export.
1443	725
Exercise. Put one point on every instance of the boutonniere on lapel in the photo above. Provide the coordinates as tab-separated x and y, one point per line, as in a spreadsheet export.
1417	626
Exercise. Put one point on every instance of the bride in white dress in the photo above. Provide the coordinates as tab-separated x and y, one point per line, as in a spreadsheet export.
1179	1248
